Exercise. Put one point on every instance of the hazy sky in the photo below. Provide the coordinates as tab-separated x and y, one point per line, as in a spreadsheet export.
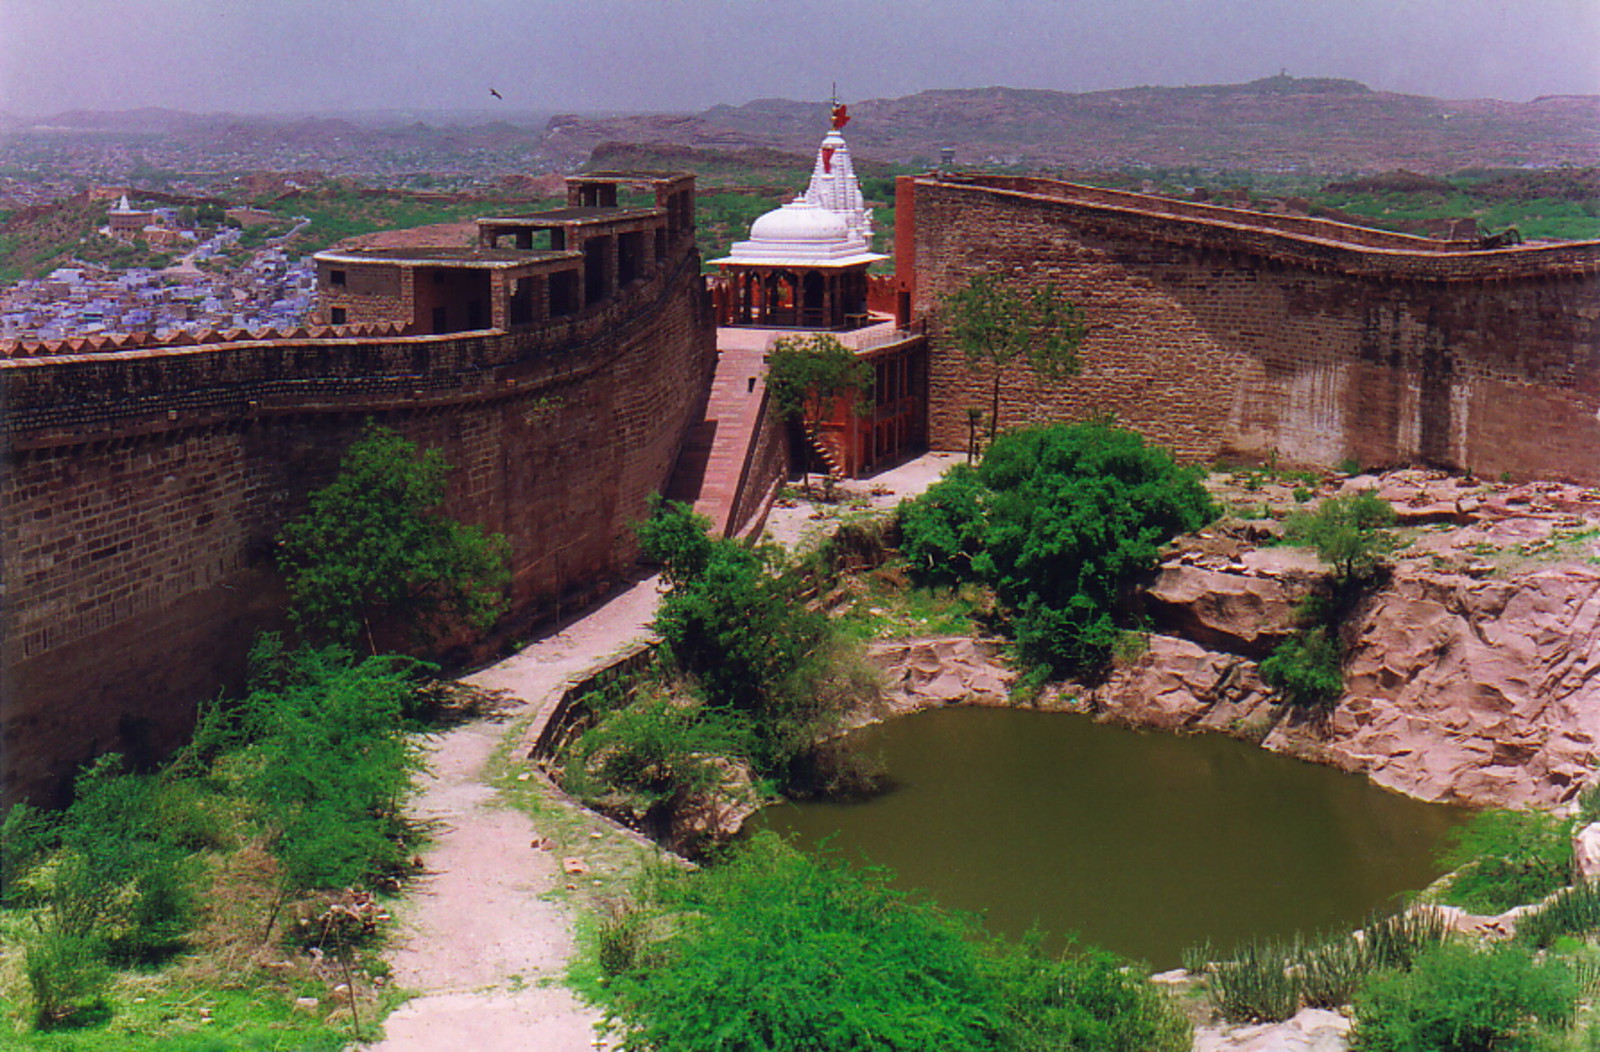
269	55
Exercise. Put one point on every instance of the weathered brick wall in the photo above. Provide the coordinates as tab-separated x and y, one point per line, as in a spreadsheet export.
141	491
766	465
1222	333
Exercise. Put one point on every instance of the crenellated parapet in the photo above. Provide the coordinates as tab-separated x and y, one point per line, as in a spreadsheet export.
142	341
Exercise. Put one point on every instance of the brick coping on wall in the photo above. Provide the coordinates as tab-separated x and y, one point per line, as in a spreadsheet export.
1315	243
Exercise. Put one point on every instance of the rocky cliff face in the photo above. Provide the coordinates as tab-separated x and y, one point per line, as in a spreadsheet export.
1472	677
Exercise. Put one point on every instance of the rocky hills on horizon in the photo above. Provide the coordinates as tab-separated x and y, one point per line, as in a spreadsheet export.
1277	123
1286	124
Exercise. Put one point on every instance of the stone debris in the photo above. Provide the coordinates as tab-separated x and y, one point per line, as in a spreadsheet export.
574	866
1310	1030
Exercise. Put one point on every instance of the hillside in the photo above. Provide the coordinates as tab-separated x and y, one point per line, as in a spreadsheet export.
1278	123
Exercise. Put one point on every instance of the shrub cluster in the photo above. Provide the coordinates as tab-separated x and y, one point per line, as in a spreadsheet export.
1459	998
1271	979
314	761
735	624
1505	858
1349	533
1059	520
772	950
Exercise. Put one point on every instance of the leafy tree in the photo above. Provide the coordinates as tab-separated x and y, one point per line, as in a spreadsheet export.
1076	512
807	375
1348	532
371	545
1457	998
995	325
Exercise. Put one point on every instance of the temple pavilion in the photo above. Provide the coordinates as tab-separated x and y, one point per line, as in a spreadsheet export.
805	265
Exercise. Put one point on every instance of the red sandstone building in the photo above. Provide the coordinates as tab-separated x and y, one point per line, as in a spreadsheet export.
526	269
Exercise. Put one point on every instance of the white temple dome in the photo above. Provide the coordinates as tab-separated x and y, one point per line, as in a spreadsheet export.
799	221
827	226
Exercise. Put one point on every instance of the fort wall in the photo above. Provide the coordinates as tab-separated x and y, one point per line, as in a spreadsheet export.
142	489
1225	333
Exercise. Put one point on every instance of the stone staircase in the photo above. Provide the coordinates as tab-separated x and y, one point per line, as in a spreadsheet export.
712	462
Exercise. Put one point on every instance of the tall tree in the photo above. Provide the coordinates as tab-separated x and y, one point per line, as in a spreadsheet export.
995	324
808	375
372	546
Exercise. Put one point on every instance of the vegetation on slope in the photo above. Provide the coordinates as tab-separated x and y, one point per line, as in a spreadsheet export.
771	950
234	877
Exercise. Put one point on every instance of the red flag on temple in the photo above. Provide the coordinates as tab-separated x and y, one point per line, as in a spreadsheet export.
841	115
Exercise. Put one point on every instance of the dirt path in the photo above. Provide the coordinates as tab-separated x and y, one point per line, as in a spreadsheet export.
481	938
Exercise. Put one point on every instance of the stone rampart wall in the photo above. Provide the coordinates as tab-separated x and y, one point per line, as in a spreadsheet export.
1224	335
142	490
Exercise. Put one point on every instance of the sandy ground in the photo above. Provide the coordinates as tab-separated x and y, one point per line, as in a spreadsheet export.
481	939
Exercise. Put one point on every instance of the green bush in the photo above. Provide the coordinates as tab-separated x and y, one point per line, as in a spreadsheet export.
26	836
1457	998
942	529
772	950
67	974
120	877
659	749
329	761
739	629
776	952
1507	858
677	538
1077	512
1086	1000
1305	669
1060	520
371	547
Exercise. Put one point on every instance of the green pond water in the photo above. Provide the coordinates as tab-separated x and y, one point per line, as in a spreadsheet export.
1143	843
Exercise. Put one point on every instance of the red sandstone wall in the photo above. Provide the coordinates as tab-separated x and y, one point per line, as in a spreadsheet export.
1224	339
141	491
766	465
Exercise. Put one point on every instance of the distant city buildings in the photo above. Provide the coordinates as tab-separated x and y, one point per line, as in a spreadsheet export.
269	291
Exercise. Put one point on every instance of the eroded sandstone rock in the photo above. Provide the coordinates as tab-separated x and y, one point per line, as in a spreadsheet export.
940	670
1484	692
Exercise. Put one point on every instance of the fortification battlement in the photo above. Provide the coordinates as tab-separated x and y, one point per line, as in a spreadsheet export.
145	341
76	397
1319	244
